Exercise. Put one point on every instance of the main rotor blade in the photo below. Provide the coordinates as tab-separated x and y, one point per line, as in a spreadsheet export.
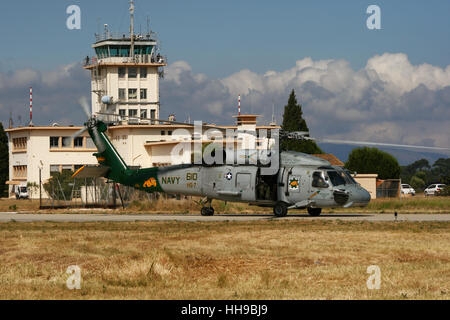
79	133
85	105
160	120
366	143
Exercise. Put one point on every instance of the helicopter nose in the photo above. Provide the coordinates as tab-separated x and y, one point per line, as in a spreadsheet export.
360	197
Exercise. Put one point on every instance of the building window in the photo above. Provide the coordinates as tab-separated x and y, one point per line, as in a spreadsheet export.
163	133
153	115
122	94
20	172
132	94
143	73
54	142
143	94
78	142
66	142
19	144
132	113
54	168
66	167
169	132
143	113
122	113
132	73
122	72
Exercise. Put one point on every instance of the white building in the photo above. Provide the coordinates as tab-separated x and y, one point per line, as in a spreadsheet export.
45	149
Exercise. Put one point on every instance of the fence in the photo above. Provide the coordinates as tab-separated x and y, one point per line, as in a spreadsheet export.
389	188
89	193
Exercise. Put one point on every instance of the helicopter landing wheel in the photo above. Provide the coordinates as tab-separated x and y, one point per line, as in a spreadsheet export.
207	211
280	209
314	212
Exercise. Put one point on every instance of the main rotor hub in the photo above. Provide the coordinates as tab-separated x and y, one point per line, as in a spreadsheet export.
91	123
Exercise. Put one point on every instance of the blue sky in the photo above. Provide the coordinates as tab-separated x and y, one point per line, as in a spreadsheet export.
390	85
221	37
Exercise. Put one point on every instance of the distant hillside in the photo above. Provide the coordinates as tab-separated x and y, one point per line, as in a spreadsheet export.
403	156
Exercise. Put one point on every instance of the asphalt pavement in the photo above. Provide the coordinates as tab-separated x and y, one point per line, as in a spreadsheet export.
20	217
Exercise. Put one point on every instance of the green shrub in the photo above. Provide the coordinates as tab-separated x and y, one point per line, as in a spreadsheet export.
445	192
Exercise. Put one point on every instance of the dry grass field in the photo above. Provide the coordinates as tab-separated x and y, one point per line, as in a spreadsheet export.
279	259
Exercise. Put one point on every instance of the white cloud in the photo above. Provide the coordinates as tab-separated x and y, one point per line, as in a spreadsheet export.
382	102
55	94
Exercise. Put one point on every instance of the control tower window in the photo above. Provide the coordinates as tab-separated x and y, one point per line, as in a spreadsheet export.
122	72
132	112
143	94
122	94
143	73
132	73
132	94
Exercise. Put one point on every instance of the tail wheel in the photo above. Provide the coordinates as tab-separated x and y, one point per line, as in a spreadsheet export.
314	212
280	209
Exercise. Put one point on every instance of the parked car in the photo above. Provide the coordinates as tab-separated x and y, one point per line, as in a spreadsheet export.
407	189
431	190
21	192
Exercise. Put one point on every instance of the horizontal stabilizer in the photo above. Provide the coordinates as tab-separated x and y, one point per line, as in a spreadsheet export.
91	172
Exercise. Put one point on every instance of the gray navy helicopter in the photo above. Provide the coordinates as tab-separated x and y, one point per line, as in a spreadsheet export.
300	181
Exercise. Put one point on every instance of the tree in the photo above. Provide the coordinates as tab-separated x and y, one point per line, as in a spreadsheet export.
407	172
373	160
293	121
4	162
441	170
60	185
417	183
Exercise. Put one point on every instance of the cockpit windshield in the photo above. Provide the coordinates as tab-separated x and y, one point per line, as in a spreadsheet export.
349	177
335	178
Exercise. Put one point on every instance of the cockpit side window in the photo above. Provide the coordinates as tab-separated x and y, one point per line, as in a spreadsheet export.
318	180
336	178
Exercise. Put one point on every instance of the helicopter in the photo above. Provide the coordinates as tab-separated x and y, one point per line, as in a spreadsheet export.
300	181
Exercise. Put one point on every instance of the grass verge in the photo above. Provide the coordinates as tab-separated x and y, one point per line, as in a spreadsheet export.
315	259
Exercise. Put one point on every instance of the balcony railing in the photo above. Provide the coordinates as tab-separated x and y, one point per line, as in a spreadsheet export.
144	58
122	36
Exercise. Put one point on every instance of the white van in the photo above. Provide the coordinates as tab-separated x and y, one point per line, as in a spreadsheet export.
21	192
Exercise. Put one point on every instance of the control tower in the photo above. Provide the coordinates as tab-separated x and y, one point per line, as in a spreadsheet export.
125	75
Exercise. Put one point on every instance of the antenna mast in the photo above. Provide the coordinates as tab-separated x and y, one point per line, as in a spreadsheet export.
239	104
132	28
273	123
31	106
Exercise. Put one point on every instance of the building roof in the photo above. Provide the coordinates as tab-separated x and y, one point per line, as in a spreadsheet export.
331	158
42	128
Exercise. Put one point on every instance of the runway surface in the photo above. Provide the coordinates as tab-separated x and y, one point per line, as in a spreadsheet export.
9	217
